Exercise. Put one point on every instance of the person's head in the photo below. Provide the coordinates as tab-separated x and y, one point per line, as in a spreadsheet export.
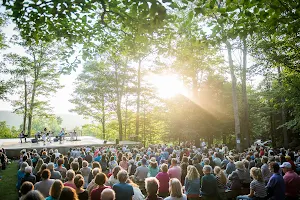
56	189
60	162
33	195
151	185
206	161
144	161
95	172
219	173
26	187
96	164
264	159
68	193
28	170
112	158
108	194
286	166
185	159
122	176
192	173
70	175
78	181
240	165
207	169
23	166
85	163
274	167
75	166
50	166
115	171
46	174
173	161
175	188
164	168
256	174
100	179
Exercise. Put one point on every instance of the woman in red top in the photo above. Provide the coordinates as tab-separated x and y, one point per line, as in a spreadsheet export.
100	181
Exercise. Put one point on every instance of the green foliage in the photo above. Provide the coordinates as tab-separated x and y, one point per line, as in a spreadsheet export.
6	132
51	123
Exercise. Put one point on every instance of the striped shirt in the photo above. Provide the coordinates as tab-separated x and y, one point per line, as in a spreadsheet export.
259	188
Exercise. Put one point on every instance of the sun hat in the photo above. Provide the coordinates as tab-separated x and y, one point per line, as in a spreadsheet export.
153	160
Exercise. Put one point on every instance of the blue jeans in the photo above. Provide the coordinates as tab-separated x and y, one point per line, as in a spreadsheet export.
243	197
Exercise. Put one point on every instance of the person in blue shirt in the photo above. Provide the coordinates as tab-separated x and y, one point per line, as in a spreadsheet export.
124	191
98	158
192	183
275	186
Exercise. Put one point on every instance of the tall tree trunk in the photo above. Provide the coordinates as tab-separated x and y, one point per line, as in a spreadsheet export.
126	117
119	114
103	117
237	127
31	107
137	122
245	98
272	129
144	122
283	112
25	105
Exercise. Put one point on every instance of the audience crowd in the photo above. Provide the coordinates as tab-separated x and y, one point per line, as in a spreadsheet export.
158	172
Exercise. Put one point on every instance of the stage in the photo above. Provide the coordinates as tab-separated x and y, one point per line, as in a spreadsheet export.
14	146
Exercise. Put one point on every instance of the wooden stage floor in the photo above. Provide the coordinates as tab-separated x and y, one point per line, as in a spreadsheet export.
13	146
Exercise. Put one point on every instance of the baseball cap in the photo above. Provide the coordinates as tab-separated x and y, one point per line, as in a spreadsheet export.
286	165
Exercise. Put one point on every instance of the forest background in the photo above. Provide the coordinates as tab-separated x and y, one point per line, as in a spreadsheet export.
158	71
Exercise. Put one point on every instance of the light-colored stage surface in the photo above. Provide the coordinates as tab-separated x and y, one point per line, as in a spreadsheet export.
13	146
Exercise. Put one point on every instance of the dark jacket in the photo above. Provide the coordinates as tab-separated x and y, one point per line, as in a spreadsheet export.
29	177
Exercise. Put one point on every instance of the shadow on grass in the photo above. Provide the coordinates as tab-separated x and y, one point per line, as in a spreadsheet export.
8	182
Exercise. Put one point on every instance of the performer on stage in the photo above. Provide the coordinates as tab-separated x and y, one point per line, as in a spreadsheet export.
37	136
21	135
61	135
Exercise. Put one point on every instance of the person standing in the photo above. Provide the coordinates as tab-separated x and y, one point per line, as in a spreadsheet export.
46	183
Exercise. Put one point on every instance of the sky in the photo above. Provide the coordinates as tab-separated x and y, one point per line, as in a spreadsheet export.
60	100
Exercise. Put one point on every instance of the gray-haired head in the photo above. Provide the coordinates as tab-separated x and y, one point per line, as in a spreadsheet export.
23	166
50	166
108	194
28	170
207	169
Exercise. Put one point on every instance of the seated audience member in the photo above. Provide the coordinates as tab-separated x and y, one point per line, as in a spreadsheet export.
81	193
45	184
141	172
174	170
68	193
38	166
138	195
153	167
21	174
92	185
275	186
124	163
163	178
33	195
265	171
39	173
75	167
55	190
230	167
152	185
240	177
94	165
108	194
257	186
221	179
85	171
175	190
28	176
192	183
124	191
113	179
70	179
292	182
25	188
54	174
100	180
209	186
61	169
112	164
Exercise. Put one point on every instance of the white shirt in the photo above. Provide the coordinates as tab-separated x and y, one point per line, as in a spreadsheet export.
137	194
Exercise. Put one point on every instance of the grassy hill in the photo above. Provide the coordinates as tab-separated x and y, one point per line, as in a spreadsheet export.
70	121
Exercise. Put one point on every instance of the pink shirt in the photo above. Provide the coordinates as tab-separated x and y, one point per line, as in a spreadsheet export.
175	172
124	165
70	185
163	179
292	182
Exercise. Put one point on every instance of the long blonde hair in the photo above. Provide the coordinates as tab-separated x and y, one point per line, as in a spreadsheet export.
175	188
256	174
192	173
219	173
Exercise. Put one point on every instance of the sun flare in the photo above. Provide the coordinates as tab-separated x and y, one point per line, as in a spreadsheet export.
167	86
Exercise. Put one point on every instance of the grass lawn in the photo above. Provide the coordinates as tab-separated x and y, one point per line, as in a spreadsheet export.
8	182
